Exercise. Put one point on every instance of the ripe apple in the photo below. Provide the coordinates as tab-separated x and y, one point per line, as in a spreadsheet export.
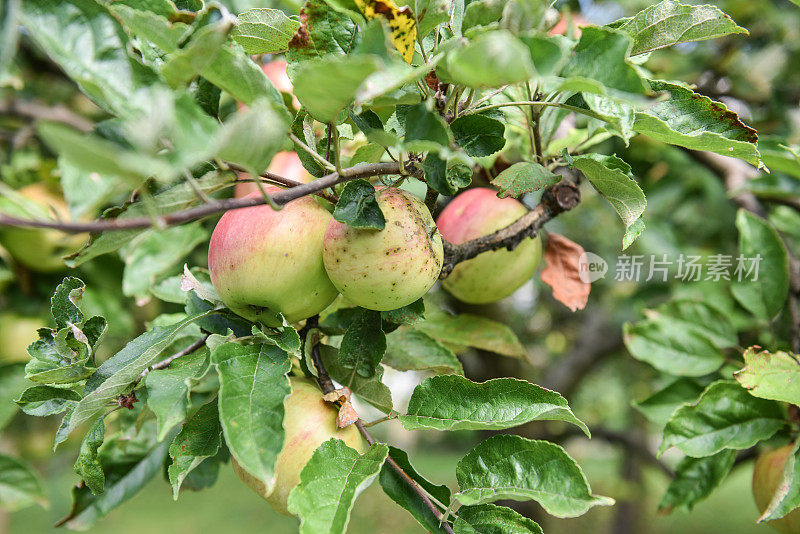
38	249
766	478
309	422
390	268
17	332
264	262
491	275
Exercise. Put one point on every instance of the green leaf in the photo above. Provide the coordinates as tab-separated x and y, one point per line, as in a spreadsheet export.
92	153
264	31
371	390
694	121
65	302
601	55
104	71
452	402
430	13
472	331
47	400
725	416
200	438
699	318
408	314
330	483
253	136
88	466
768	375
234	72
325	87
478	135
445	179
12	384
523	177
370	123
512	467
787	494
20	487
672	348
155	253
324	31
695	479
150	26
425	129
491	519
670	22
613	179
86	511
658	407
176	198
763	295
253	386
168	389
408	349
363	344
398	489
510	61
358	207
115	376
9	35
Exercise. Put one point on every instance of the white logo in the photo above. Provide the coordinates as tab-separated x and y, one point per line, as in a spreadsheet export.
591	267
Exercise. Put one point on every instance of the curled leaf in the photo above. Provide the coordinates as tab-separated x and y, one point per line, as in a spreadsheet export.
562	272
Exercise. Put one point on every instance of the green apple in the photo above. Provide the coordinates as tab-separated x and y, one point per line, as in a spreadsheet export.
309	422
17	332
390	268
265	262
37	249
766	478
492	275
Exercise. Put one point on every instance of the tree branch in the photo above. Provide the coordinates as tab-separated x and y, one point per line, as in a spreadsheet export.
218	206
325	382
29	109
555	200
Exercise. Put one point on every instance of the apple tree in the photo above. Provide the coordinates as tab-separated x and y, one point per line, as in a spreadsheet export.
225	309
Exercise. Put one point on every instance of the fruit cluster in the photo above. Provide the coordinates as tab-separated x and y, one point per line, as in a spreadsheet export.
294	262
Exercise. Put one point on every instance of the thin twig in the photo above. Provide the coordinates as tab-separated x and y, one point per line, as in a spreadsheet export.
325	382
163	364
33	110
277	179
217	206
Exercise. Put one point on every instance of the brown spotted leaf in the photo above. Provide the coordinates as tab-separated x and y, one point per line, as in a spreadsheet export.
562	272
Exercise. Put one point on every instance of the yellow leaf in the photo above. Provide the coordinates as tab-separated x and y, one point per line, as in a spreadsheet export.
402	24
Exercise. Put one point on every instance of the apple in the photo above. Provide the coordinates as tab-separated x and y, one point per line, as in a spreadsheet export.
309	421
264	262
17	332
491	275
390	268
766	478
40	250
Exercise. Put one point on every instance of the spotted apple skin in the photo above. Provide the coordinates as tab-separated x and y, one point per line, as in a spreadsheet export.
390	268
265	262
767	475
492	275
309	421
